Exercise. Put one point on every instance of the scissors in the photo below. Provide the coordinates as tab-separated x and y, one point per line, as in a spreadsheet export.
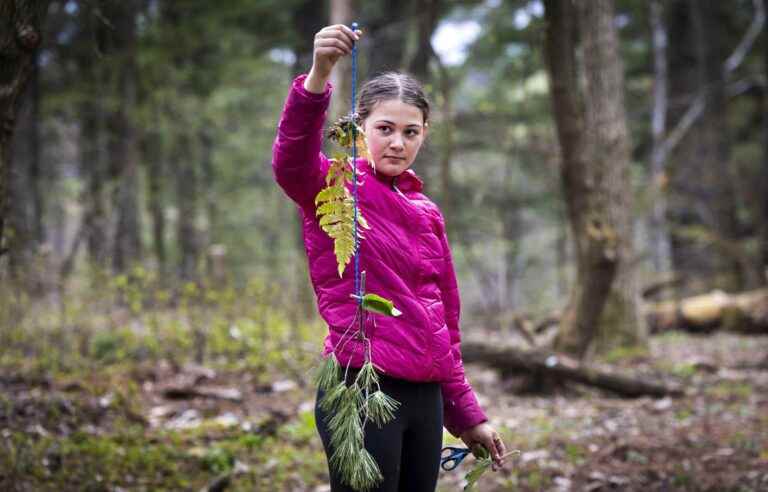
450	457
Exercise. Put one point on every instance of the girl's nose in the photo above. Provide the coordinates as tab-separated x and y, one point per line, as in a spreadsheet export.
396	142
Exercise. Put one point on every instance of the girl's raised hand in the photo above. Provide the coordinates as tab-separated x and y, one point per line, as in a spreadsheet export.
331	43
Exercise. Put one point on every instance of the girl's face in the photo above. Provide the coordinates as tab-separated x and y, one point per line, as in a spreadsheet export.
395	132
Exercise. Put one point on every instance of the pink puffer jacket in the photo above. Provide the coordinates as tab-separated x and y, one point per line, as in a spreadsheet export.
405	256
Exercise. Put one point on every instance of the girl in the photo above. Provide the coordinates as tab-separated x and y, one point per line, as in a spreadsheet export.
406	258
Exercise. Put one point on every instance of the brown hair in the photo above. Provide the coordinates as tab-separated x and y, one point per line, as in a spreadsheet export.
391	85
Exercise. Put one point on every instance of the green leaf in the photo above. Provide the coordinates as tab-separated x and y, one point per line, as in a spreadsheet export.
378	304
479	451
476	472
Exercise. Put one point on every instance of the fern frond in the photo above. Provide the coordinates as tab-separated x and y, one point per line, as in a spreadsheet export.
336	211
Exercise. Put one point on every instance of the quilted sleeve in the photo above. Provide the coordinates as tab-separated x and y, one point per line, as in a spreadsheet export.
461	409
297	161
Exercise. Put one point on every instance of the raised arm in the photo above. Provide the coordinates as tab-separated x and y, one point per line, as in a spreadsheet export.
296	159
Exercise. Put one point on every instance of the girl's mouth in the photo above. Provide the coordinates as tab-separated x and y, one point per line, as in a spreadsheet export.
394	157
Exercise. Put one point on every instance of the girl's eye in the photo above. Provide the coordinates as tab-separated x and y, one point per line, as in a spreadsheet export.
384	129
411	133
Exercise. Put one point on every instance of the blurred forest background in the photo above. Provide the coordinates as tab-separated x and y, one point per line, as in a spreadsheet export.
157	324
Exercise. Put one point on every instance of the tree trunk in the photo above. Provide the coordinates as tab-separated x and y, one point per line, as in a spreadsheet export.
21	244
187	190
447	143
705	224
20	36
154	159
621	323
712	161
425	16
385	31
341	77
213	259
127	243
93	166
308	17
764	170
661	252
93	143
604	307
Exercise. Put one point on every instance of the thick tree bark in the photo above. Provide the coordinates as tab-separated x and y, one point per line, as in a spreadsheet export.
586	303
603	310
20	36
621	323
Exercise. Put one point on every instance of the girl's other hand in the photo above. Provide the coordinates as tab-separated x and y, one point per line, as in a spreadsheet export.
331	43
486	435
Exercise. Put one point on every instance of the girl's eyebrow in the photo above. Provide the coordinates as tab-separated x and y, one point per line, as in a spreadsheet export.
393	124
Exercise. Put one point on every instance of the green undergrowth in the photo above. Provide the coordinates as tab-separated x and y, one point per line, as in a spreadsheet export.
74	405
132	458
101	322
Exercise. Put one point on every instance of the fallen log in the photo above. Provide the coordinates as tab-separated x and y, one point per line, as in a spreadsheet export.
745	312
563	368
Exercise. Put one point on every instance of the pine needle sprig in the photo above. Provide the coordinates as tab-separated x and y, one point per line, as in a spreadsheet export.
381	408
332	396
367	377
367	473
328	374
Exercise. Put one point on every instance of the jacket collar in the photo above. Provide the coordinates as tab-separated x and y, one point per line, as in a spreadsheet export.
405	181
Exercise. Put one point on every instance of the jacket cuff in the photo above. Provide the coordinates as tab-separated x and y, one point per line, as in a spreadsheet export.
299	92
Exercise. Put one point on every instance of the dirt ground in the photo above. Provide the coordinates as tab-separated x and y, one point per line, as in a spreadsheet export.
247	431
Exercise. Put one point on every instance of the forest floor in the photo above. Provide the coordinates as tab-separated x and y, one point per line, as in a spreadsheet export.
152	426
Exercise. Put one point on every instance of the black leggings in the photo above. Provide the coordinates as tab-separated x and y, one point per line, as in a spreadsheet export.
407	449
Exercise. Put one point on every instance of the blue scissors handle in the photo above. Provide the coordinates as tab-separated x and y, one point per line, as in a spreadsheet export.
453	457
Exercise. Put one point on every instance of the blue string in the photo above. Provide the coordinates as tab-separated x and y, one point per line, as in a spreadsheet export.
358	289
